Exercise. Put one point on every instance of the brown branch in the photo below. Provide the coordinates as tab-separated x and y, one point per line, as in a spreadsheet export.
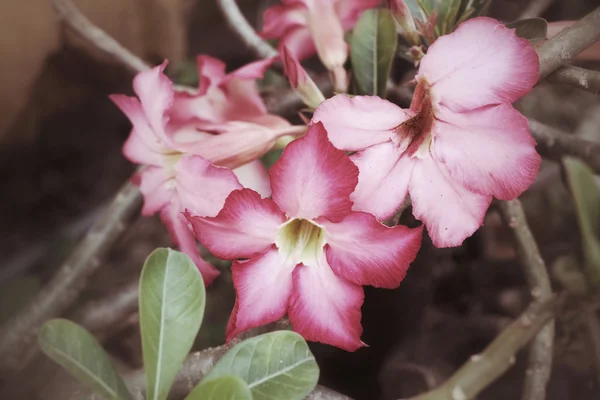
242	28
569	42
555	144
536	274
18	334
535	8
71	15
581	78
484	368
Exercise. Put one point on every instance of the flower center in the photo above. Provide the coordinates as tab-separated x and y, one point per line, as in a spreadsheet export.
414	135
300	239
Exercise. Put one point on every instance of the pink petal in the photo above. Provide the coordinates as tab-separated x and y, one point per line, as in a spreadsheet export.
489	150
300	42
450	212
244	102
263	286
246	225
383	179
328	35
251	71
349	11
312	178
211	71
202	187
254	176
482	62
366	252
326	308
280	19
157	187
183	237
359	122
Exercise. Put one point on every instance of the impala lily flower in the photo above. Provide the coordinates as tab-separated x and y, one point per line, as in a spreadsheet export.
306	253
460	143
301	82
309	26
177	147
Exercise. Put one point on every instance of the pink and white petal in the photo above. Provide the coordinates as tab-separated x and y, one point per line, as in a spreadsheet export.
210	107
246	225
136	151
211	72
326	308
313	179
255	176
251	71
328	35
366	252
384	174
155	91
300	43
482	62
244	102
183	237
201	186
356	123
279	19
157	187
489	150
271	121
263	285
450	212
349	11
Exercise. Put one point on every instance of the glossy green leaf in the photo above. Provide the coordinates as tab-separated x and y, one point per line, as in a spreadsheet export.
532	29
586	193
276	365
171	310
78	352
372	51
226	387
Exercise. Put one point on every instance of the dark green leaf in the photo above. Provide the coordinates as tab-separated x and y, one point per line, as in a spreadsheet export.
223	388
586	193
78	352
276	365
532	29
372	51
171	311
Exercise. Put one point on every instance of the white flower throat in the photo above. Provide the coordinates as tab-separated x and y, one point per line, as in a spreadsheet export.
301	240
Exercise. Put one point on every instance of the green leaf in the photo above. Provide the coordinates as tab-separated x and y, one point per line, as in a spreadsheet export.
78	352
586	193
372	51
171	311
223	388
276	365
532	29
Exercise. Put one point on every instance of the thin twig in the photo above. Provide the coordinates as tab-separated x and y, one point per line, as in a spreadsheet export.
535	8
555	144
536	274
195	366
240	25
569	42
484	368
71	15
581	78
18	334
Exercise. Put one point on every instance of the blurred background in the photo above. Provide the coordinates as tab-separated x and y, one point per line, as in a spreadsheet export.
61	162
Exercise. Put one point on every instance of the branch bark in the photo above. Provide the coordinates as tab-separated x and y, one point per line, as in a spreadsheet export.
240	25
18	334
535	8
580	78
536	274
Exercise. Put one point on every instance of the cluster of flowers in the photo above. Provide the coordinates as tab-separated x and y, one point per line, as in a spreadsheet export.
306	236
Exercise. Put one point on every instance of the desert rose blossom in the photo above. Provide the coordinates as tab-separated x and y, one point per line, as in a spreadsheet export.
178	153
460	143
305	253
309	26
301	82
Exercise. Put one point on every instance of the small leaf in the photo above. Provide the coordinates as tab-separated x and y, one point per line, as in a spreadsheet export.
78	352
171	311
223	388
586	193
532	29
276	365
372	51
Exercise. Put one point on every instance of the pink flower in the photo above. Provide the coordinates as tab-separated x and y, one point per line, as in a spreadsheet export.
460	143
301	82
306	253
178	137
309	26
